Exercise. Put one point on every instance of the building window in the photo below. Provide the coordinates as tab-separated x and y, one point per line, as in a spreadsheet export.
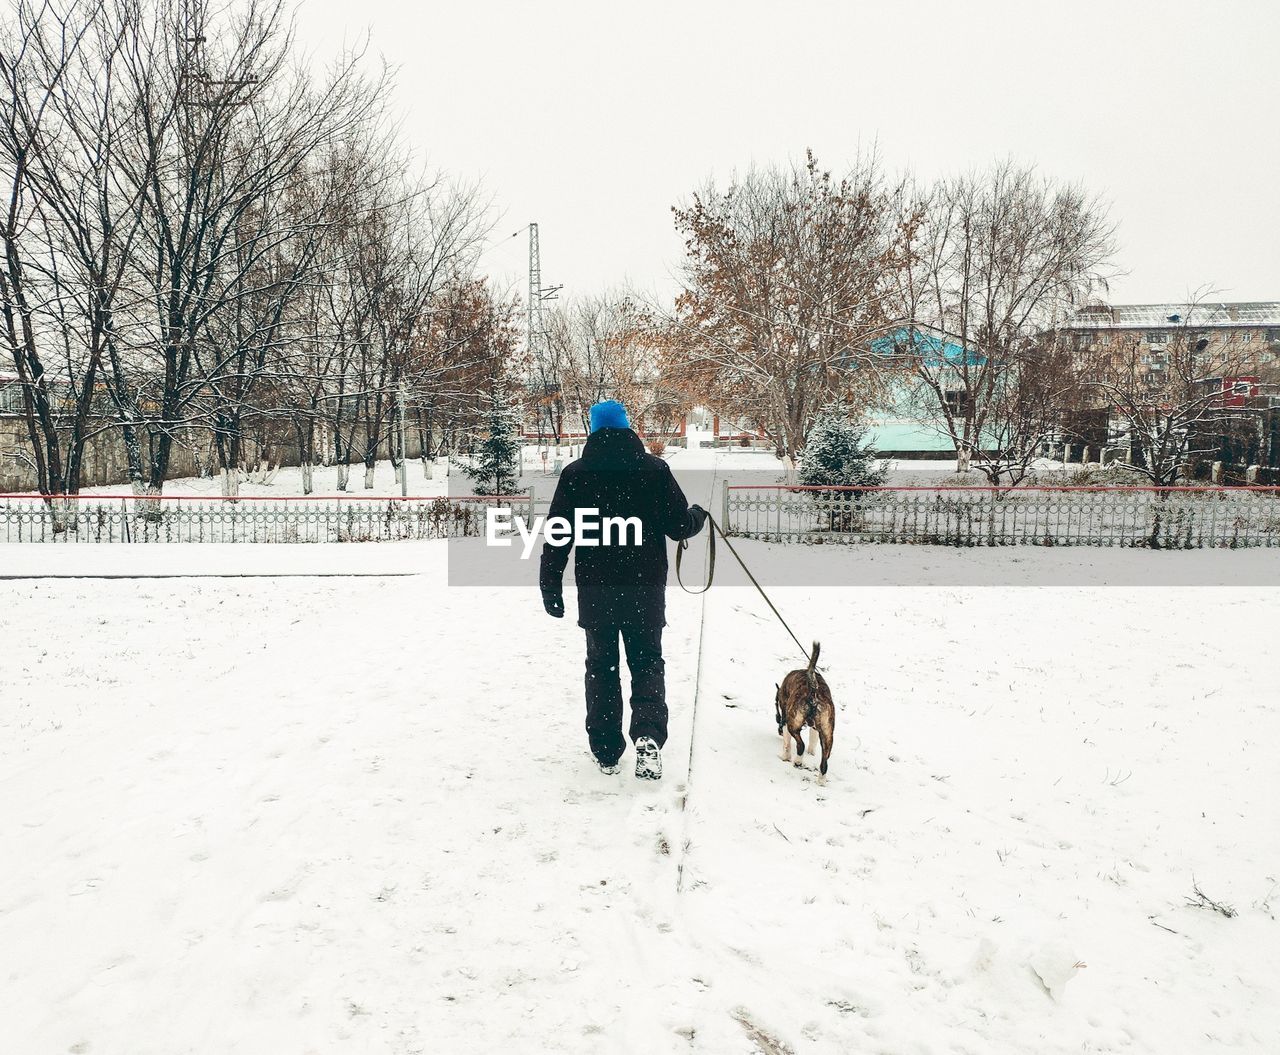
956	402
1157	337
10	398
1246	336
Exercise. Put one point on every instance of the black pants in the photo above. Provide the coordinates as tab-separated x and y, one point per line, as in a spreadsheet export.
604	688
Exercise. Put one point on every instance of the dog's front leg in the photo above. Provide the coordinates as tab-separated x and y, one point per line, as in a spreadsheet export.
786	745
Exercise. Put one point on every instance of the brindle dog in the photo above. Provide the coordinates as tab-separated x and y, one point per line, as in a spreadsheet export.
804	698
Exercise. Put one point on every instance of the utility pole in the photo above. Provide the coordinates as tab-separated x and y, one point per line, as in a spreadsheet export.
404	450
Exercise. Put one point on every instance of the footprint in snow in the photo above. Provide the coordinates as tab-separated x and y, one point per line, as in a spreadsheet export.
85	885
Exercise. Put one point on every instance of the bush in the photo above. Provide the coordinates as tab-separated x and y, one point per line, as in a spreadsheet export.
1114	474
836	454
657	447
495	463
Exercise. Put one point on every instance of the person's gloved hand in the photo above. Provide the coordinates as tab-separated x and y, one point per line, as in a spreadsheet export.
700	514
553	602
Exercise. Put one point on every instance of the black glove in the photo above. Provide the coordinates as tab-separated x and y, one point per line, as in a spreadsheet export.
553	602
700	514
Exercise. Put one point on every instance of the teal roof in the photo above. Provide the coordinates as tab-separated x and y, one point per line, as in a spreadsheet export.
934	348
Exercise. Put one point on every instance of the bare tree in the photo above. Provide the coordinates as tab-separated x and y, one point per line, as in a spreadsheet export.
404	246
66	232
203	244
313	367
1176	402
471	339
225	124
783	292
1040	392
607	346
992	261
546	398
581	336
244	345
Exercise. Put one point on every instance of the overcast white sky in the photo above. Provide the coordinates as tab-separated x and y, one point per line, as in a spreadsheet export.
594	118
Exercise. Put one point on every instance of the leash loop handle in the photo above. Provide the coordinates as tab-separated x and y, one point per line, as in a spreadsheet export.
711	559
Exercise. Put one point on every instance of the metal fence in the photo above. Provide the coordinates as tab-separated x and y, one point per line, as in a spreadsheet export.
129	518
1154	518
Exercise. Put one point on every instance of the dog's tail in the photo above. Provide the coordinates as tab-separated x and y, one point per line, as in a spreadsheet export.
811	678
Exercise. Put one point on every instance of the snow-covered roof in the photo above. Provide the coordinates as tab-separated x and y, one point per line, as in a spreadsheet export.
1158	316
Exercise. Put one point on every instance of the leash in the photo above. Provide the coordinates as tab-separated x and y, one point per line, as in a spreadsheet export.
697	694
697	688
711	574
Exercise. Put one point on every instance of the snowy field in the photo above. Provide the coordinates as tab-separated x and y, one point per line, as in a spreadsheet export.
307	814
287	482
536	473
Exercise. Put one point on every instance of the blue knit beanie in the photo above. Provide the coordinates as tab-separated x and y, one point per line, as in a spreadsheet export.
609	415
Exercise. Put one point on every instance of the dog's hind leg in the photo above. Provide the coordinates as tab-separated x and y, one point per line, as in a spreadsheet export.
786	746
828	741
799	749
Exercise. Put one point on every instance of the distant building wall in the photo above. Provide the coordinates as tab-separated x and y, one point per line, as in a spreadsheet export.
1240	332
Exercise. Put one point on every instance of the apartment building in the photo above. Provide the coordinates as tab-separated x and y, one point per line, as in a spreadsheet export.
1229	352
1244	336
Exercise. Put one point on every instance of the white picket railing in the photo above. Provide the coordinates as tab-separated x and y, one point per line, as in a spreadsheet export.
129	518
1156	518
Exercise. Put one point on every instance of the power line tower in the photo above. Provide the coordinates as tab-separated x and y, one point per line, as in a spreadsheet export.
536	326
538	293
547	388
197	88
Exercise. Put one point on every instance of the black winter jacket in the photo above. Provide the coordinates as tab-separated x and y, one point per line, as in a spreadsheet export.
619	585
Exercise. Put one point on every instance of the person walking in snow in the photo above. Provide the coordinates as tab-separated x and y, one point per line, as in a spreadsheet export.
621	588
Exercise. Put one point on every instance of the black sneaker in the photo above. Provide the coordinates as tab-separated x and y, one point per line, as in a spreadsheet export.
607	768
648	759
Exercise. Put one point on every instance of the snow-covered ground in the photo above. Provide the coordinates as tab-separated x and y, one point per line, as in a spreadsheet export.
537	472
287	482
439	477
318	814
